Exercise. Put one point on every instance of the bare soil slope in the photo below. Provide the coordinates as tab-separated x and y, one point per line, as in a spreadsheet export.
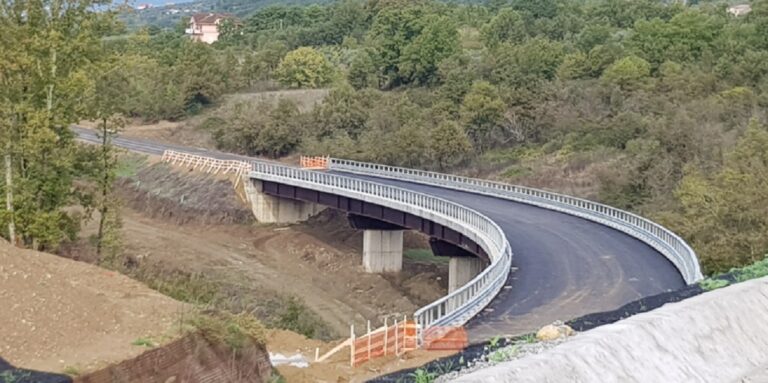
318	261
58	313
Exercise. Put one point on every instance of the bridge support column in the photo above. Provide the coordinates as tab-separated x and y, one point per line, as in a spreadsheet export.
382	250
271	209
461	270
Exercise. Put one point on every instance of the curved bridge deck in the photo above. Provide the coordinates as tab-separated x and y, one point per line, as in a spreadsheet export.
565	266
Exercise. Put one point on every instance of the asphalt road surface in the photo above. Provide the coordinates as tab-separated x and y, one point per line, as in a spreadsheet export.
563	266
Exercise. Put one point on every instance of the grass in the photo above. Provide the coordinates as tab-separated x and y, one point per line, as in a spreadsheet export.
128	165
424	256
756	270
185	287
494	342
13	376
72	371
710	284
423	376
275	311
236	331
503	354
144	342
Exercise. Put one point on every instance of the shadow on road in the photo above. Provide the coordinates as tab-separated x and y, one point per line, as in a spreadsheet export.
9	374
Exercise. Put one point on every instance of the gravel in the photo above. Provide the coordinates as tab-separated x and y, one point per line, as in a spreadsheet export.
516	350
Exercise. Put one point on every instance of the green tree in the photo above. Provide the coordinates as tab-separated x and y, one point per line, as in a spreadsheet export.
342	110
482	112
729	229
44	69
107	98
528	64
282	134
574	66
304	67
507	26
362	71
684	38
395	26
449	144
628	73
437	41
592	36
201	76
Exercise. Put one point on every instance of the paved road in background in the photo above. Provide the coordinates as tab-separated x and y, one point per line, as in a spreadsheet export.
565	266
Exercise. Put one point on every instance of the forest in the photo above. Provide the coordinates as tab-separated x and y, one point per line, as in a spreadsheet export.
654	107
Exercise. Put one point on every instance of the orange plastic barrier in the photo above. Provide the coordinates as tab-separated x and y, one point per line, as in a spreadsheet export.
391	340
446	338
319	163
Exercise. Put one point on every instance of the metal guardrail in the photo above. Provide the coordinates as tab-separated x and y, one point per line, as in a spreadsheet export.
663	240
206	164
459	306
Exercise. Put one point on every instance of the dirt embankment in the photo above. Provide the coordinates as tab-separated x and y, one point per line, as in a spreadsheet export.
191	359
58	314
158	192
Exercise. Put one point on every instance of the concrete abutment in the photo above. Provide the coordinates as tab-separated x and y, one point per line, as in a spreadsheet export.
271	209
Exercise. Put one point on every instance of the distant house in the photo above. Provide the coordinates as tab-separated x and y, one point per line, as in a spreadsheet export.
205	26
740	10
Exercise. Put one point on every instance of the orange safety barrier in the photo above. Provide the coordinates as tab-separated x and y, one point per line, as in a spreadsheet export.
319	163
446	339
388	340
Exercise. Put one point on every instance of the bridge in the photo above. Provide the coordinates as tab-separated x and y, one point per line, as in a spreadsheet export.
519	257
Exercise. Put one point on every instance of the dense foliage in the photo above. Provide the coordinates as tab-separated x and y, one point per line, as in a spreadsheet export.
652	106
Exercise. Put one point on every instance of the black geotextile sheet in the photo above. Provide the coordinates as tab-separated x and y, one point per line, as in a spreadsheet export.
8	373
587	322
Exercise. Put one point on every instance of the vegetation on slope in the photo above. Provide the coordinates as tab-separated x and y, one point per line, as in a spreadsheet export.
654	107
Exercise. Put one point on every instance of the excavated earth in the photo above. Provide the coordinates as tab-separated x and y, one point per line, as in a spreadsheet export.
58	314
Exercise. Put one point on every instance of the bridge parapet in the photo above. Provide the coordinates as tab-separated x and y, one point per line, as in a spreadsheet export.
658	237
463	303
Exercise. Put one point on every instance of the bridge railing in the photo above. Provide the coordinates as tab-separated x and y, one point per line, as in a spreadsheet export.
462	304
206	164
663	240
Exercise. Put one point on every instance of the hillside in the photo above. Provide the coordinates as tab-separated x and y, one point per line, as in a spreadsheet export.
61	315
166	13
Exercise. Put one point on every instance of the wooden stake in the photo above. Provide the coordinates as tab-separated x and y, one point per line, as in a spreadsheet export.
386	332
352	345
369	340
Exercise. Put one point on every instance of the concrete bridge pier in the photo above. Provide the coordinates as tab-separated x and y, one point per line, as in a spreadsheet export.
461	270
462	266
382	244
383	251
270	209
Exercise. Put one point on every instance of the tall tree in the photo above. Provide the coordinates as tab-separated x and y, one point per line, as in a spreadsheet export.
47	47
107	100
437	41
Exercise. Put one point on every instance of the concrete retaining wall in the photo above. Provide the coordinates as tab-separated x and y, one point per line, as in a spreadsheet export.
721	336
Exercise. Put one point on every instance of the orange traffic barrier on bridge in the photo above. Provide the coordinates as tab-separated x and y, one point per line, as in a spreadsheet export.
317	163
